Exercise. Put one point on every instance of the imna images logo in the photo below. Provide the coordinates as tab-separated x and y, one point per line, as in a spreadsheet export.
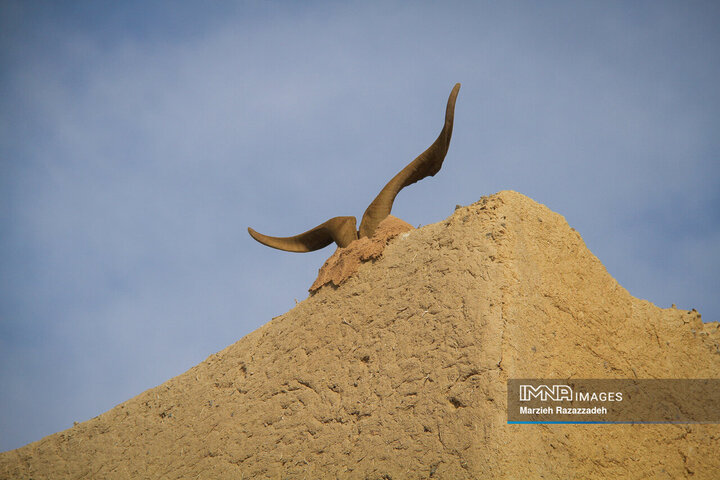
560	393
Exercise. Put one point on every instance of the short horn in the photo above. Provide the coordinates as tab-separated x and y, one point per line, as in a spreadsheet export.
340	230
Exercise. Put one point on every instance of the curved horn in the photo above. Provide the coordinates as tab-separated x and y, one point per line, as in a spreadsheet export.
341	230
427	164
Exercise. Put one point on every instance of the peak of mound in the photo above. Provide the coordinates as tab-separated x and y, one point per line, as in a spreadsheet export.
400	372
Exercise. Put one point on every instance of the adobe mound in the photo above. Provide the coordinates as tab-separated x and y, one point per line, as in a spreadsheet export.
401	373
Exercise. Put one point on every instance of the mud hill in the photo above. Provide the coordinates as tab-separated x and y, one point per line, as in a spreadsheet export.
400	372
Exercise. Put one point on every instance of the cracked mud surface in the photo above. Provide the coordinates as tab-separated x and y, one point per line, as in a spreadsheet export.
400	373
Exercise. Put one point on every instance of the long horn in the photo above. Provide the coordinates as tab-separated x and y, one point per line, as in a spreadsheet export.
341	230
427	164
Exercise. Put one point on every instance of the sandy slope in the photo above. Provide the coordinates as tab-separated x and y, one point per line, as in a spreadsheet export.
401	373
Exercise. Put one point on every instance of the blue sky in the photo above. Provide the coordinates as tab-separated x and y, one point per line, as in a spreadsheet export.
138	142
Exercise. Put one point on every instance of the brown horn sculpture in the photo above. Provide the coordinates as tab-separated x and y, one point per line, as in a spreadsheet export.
341	230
